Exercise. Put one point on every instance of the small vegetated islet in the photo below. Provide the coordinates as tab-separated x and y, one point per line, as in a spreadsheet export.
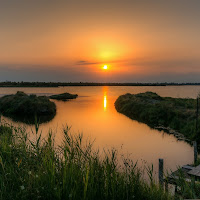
176	113
25	108
64	97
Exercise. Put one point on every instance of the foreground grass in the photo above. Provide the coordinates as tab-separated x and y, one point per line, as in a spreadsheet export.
177	113
39	170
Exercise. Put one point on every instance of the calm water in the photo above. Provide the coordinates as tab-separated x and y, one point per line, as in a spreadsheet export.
93	113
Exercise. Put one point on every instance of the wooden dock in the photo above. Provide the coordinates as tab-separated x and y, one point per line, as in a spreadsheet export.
186	172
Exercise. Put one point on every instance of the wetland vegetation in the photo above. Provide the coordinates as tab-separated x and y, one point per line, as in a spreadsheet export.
25	108
64	96
74	170
39	169
170	113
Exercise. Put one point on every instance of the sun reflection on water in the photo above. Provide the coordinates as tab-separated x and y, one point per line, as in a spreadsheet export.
105	89
105	102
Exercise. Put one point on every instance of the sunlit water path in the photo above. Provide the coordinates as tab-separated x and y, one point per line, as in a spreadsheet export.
93	114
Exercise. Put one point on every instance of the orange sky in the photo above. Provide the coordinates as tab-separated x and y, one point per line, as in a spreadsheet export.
141	41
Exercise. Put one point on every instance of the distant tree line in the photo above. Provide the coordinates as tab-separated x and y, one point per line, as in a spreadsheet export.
62	84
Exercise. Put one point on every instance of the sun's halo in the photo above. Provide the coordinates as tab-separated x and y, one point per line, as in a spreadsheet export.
105	67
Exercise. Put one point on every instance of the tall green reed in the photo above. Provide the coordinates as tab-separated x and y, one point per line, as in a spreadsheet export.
74	170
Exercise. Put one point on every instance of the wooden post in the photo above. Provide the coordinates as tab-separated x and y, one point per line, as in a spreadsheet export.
176	189
166	186
161	172
195	151
197	114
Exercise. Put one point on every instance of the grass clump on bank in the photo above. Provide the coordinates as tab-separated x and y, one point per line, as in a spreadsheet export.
25	108
64	97
74	170
176	113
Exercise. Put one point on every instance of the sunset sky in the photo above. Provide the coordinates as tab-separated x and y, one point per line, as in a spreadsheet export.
71	40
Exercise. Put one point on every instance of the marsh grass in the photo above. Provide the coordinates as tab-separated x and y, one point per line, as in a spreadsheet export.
24	108
74	170
176	113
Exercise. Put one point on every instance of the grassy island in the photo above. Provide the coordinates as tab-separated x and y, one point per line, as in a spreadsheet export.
172	114
64	97
25	108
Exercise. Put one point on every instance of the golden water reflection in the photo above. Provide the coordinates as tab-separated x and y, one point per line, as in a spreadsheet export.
105	102
105	91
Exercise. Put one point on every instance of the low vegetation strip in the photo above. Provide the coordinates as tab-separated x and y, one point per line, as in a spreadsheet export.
39	170
23	107
62	84
175	113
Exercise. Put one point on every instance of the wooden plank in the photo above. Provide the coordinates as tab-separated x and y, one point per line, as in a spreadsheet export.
187	167
195	171
172	180
198	167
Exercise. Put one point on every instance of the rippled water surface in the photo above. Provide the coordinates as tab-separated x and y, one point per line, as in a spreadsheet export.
93	114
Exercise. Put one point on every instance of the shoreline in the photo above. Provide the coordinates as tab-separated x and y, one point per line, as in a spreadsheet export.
170	131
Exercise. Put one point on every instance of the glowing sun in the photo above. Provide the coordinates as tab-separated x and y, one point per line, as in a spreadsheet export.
105	67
